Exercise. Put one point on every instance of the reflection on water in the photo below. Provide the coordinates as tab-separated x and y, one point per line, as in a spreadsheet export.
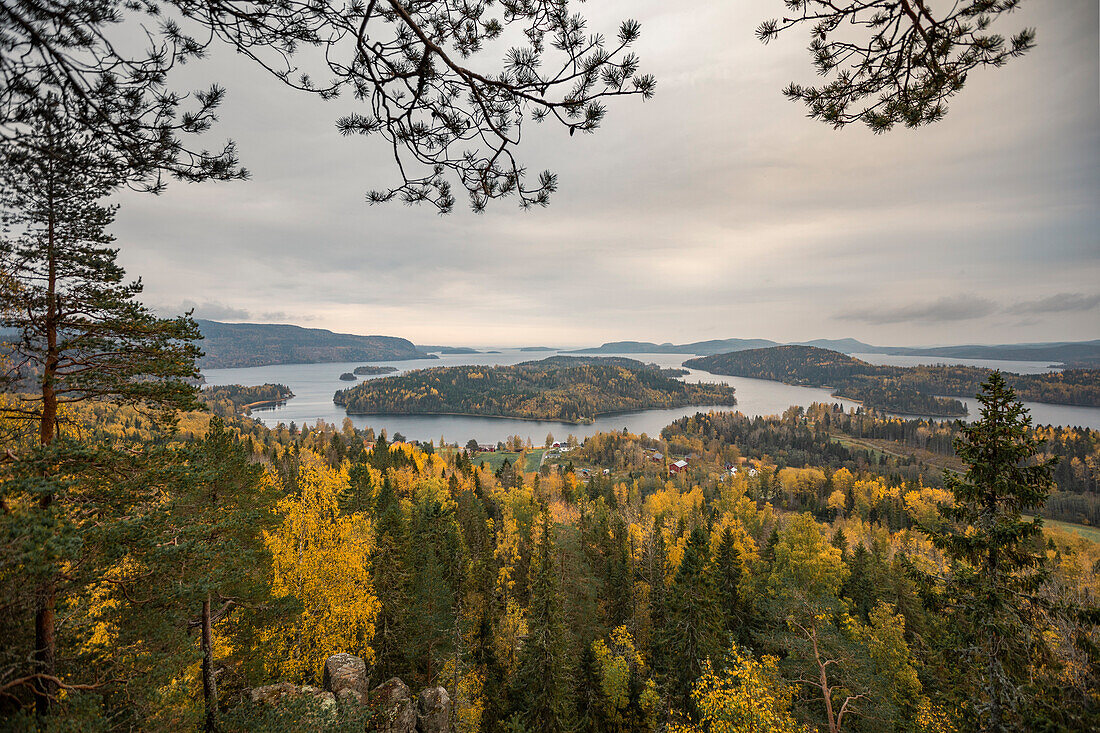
315	384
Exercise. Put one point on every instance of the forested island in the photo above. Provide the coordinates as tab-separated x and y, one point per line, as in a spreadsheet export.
908	390
370	370
559	388
448	350
234	398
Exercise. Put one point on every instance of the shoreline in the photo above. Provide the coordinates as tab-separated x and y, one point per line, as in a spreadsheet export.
585	421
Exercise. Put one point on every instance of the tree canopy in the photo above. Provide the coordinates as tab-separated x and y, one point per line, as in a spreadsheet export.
894	61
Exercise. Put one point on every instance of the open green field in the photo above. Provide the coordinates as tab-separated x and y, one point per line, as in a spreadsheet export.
494	461
1091	534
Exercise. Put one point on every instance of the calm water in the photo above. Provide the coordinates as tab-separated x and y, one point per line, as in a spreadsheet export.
1017	367
315	384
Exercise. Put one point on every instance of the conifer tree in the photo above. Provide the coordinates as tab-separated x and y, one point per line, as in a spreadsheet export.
217	515
433	556
728	574
542	679
81	333
691	631
859	588
995	555
390	581
658	601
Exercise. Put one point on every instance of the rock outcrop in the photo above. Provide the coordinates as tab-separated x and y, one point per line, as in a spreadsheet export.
274	694
433	711
345	685
346	677
395	701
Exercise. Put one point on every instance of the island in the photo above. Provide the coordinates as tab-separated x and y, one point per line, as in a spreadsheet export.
230	399
915	390
348	377
371	370
448	350
563	389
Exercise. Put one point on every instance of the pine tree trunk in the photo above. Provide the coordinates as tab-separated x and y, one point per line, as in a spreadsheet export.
45	640
209	686
45	690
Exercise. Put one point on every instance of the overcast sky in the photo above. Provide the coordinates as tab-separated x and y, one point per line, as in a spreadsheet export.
715	210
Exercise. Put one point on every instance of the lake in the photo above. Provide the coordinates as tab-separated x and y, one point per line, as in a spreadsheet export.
315	384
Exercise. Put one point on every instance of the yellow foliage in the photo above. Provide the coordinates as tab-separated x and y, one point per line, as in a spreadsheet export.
803	480
322	558
837	501
617	661
747	697
804	562
510	634
469	702
843	480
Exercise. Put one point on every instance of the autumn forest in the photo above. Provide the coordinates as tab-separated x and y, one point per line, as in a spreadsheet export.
182	550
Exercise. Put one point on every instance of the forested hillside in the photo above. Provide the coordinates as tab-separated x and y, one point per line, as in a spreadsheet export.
541	601
897	449
1071	353
907	390
569	389
258	344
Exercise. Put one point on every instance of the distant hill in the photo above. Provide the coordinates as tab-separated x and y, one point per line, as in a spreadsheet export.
622	361
714	346
847	346
229	345
912	390
1073	353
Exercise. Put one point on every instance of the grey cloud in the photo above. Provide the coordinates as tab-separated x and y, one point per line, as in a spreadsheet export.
1059	303
214	311
747	220
944	310
284	317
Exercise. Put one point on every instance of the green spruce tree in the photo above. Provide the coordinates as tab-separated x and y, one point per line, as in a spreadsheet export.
995	556
542	680
691	631
728	574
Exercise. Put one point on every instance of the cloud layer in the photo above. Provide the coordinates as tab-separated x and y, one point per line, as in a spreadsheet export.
714	210
968	308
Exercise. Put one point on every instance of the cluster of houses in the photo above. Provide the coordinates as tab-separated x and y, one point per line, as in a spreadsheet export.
673	468
492	448
735	468
676	467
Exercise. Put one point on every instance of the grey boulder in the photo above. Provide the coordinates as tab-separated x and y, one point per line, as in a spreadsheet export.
433	711
345	677
396	702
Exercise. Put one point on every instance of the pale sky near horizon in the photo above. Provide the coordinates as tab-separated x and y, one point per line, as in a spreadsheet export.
715	210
